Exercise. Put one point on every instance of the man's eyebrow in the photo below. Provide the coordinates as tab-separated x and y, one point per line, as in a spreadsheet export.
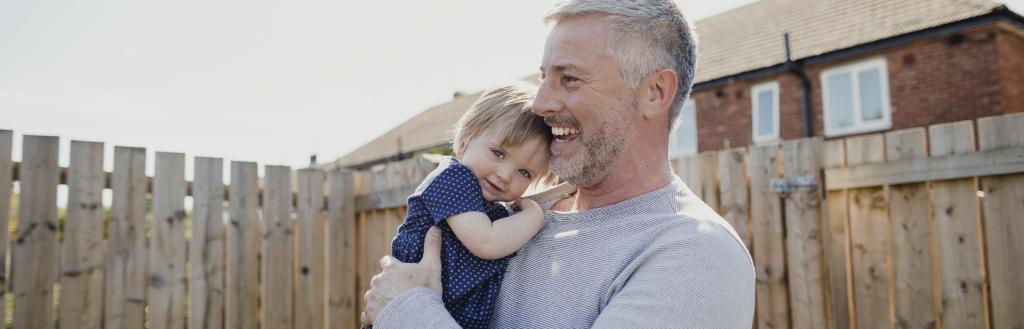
563	68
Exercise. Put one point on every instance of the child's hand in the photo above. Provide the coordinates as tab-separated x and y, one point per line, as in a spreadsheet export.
527	205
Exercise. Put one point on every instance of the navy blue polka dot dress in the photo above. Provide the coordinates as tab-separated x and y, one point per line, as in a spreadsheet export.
470	283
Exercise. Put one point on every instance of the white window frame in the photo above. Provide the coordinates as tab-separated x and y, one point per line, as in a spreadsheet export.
859	126
772	86
675	151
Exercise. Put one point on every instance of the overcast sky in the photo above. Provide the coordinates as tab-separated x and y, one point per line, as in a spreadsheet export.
265	81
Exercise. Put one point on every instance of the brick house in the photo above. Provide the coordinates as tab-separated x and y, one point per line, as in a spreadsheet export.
784	69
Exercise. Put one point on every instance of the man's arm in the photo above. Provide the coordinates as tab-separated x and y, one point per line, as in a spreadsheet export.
408	295
705	282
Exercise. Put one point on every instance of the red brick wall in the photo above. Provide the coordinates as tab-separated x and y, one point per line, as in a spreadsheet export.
1011	58
930	81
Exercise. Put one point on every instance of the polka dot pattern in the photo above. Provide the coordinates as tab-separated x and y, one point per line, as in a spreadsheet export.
470	283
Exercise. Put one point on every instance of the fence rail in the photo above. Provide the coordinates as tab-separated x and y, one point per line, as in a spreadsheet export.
910	229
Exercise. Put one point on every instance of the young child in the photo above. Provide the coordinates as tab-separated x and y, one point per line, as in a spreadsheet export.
501	149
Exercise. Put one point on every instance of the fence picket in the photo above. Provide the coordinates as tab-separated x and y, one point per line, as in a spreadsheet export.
35	249
1003	205
709	179
837	245
911	247
277	248
167	247
243	266
804	254
869	238
309	267
769	250
735	199
125	292
955	211
6	168
341	253
206	254
81	279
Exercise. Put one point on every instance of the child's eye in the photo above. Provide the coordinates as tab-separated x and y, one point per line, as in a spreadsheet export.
498	153
525	173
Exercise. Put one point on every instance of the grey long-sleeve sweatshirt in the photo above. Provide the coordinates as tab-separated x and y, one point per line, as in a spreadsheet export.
663	259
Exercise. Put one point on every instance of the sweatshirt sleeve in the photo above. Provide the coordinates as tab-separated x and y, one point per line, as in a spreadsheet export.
702	282
415	308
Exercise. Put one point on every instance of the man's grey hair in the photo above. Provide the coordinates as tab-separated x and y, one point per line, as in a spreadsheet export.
648	36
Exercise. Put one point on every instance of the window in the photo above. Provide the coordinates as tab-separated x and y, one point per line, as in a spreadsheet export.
856	98
764	100
683	139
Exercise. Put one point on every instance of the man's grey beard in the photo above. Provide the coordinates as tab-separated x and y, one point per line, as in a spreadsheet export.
597	157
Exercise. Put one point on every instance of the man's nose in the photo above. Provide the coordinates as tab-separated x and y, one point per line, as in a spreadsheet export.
548	102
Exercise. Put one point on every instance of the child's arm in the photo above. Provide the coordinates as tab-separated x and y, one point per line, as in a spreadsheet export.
494	240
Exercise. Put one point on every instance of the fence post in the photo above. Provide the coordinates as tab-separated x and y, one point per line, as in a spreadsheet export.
804	256
343	297
35	247
277	248
310	302
167	247
1003	205
6	141
125	297
206	254
769	250
81	279
243	286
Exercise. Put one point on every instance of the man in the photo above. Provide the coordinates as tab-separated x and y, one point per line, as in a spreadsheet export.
631	246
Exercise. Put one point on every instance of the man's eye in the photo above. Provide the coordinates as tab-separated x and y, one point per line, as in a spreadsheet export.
525	173
568	79
498	153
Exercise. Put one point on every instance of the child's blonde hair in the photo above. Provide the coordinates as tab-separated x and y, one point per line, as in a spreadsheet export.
504	110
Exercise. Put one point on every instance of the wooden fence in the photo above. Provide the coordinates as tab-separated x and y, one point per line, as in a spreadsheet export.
910	229
918	228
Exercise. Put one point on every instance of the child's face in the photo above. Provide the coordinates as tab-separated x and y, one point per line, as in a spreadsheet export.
504	173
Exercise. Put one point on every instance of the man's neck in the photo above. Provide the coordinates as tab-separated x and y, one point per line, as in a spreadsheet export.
623	181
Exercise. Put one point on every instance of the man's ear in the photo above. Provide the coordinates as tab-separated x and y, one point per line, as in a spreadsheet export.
659	92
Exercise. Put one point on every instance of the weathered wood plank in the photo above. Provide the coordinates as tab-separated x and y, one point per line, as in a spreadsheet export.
689	171
6	144
804	248
125	292
206	254
709	179
995	162
869	238
167	248
310	302
911	241
769	253
35	248
1003	205
837	247
277	249
955	211
341	253
735	201
243	266
81	280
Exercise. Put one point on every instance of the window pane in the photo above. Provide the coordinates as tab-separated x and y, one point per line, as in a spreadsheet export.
687	131
765	113
840	100
870	95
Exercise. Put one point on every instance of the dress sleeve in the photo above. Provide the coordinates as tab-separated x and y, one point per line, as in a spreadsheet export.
707	282
453	191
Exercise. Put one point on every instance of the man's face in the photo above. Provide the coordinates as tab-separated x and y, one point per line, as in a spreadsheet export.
584	99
